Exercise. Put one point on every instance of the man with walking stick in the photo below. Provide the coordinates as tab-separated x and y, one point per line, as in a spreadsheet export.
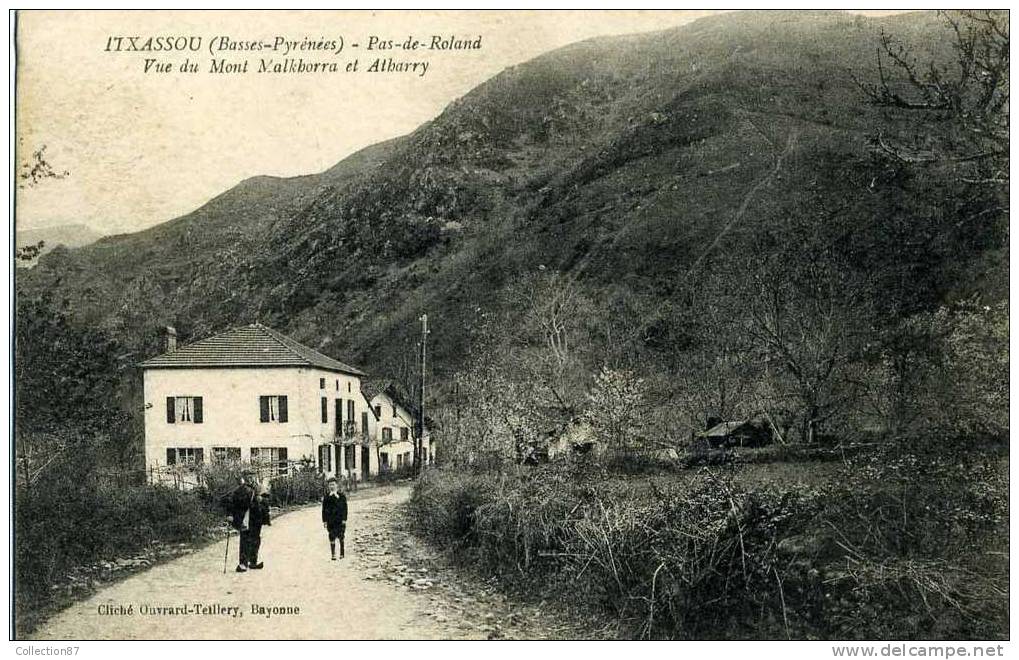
249	511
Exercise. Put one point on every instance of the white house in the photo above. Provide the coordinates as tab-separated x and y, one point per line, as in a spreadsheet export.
397	421
253	394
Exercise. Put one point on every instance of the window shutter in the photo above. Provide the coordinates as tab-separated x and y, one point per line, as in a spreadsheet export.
350	411
198	410
325	410
283	408
171	456
339	416
171	413
263	408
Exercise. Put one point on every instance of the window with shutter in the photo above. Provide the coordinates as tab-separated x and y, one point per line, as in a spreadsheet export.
272	408
364	425
404	434
325	458
325	410
338	405
226	454
183	410
321	383
185	456
273	458
350	410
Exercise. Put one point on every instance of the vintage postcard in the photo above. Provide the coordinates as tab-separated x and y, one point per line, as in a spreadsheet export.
512	325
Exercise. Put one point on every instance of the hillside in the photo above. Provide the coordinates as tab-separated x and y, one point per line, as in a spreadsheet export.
70	235
629	163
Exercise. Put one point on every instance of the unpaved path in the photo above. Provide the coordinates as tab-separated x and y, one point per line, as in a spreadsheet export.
333	599
383	589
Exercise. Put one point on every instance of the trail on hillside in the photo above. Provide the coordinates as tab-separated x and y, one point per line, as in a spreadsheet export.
747	198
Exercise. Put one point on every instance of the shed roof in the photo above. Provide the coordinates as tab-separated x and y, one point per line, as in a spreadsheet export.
722	430
252	345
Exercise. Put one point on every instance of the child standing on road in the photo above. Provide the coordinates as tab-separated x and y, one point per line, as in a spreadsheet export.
334	515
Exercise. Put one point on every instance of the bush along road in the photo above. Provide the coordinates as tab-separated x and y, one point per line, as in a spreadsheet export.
388	586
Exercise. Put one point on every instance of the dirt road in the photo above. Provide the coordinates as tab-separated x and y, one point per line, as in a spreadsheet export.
301	594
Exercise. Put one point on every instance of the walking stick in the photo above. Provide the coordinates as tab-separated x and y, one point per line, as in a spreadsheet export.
226	552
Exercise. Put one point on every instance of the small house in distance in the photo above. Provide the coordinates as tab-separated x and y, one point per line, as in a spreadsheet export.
253	394
746	433
397	423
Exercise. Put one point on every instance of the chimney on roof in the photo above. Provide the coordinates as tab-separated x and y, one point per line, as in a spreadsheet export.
169	339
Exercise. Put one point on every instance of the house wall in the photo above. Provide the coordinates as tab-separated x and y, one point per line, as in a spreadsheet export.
344	388
231	418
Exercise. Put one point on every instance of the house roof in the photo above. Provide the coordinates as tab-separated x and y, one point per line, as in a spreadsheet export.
728	428
373	387
252	345
722	430
370	387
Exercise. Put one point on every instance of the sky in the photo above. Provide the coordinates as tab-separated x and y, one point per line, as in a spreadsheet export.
141	148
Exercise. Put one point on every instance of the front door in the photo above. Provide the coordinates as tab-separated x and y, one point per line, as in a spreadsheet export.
365	463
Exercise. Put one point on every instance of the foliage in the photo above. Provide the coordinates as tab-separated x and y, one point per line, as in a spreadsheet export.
69	516
867	554
300	486
68	375
617	411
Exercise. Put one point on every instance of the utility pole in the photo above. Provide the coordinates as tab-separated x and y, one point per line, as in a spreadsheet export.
420	448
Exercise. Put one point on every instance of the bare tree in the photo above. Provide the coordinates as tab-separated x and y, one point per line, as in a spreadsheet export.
969	95
810	322
38	169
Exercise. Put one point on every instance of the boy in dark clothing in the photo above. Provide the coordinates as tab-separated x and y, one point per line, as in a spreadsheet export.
249	512
334	515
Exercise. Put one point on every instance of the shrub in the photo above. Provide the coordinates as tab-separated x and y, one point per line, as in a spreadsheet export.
301	485
886	549
67	517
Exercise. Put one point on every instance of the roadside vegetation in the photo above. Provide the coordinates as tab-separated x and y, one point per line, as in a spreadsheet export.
895	544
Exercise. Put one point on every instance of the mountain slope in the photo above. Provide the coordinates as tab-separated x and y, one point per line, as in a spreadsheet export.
70	235
630	163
